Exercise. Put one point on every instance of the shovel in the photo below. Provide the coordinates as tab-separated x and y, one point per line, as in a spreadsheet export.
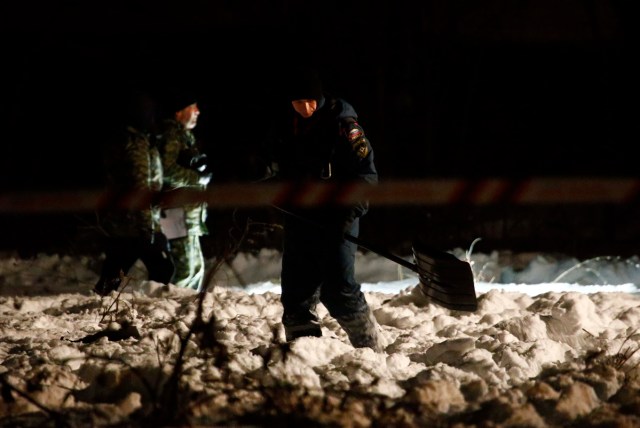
444	279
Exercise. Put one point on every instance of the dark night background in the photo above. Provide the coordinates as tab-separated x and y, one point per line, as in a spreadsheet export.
471	89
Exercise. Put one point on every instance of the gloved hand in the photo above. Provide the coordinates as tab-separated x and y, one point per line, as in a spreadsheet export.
266	173
204	179
190	158
199	162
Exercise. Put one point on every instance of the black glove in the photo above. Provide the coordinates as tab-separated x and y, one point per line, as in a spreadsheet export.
264	173
200	162
190	158
204	179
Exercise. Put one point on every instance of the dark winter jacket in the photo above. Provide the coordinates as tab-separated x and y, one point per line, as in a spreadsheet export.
330	146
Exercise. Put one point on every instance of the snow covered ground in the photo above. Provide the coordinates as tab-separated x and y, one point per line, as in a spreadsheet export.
554	342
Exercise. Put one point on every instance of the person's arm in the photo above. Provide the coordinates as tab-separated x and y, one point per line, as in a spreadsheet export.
175	174
361	159
137	160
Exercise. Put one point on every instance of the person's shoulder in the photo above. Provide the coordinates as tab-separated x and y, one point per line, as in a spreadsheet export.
169	125
170	128
133	132
340	107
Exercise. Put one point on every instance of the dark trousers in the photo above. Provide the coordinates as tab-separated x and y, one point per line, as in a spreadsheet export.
122	253
317	266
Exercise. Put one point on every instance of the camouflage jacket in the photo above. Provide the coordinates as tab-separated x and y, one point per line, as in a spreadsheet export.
175	144
132	166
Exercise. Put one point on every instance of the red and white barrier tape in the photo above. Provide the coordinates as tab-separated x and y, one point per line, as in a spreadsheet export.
395	192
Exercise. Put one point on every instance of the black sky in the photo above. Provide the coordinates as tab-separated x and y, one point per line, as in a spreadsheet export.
476	89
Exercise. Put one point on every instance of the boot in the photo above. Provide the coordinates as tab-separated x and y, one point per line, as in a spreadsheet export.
294	331
363	330
106	286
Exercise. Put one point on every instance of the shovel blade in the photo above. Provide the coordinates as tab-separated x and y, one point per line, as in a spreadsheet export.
445	279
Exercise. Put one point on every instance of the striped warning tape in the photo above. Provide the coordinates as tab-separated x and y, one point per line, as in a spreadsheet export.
394	192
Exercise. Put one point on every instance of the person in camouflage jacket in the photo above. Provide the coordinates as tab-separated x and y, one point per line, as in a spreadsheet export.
133	170
184	167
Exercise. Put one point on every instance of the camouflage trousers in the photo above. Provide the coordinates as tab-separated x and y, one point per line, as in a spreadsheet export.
189	262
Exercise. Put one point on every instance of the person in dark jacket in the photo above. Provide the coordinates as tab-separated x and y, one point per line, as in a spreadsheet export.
133	170
319	139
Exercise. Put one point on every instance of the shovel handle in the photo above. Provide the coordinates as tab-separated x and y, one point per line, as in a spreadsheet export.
381	252
356	241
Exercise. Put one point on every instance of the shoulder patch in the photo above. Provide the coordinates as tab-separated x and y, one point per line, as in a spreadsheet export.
355	136
354	133
360	147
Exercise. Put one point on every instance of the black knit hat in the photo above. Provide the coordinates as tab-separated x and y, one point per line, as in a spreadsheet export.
304	84
176	99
